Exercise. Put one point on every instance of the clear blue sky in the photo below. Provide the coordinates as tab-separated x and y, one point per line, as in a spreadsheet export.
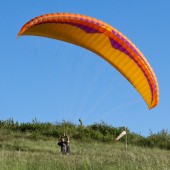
54	81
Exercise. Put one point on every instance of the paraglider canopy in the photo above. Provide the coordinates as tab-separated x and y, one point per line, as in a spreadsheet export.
105	41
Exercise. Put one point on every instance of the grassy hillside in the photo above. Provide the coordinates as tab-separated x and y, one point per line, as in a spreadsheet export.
99	132
23	151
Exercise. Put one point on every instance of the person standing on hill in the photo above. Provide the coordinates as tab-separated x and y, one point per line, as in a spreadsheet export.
64	144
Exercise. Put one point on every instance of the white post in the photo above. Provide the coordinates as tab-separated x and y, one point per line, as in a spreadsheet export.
126	141
126	138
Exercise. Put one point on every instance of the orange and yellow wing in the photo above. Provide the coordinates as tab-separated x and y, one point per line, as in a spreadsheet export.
105	41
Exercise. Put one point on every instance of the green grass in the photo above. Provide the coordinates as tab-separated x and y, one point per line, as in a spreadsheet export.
18	151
